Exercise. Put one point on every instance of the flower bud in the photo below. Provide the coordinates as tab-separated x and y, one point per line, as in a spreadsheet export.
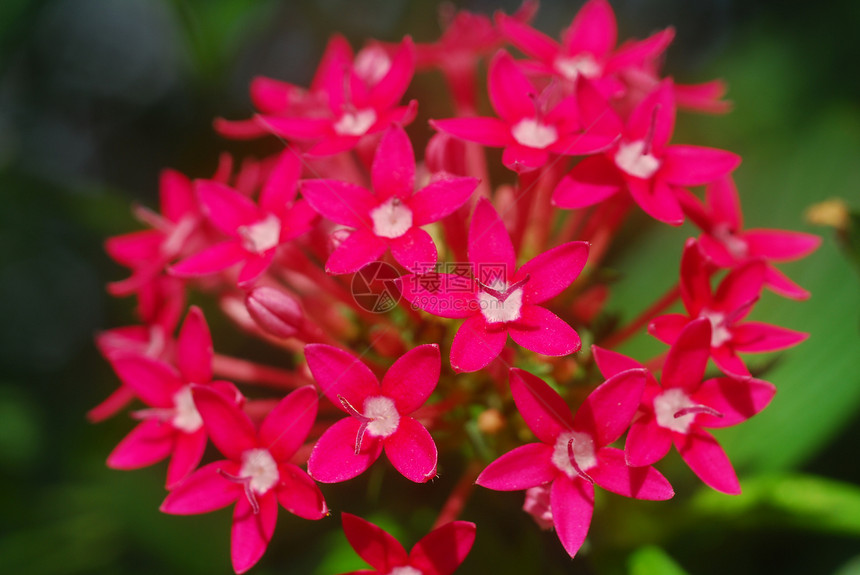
276	312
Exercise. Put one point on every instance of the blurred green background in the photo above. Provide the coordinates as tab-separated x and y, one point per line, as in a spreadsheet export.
96	96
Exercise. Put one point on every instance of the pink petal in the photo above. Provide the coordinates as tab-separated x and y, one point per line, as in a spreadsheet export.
636	53
333	458
441	198
704	97
204	490
285	428
412	451
300	129
393	169
753	336
590	182
339	373
541	331
271	96
647	443
255	266
414	250
520	468
509	89
176	195
241	129
740	288
779	283
413	377
611	362
335	144
209	261
251	531
434	294
341	202
381	551
668	327
489	242
715	251
188	450
391	88
723	201
154	381
442	550
523	159
543	410
572	504
729	362
659	104
298	494
688	357
229	428
225	207
476	344
490	132
736	399
111	405
149	442
593	30
708	461
359	249
657	199
608	410
280	188
297	220
135	249
696	165
695	279
336	58
613	474
534	43
780	245
553	271
194	348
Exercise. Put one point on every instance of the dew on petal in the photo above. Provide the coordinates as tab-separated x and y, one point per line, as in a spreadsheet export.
262	236
583	453
533	133
391	219
384	415
355	123
260	468
186	417
632	159
670	402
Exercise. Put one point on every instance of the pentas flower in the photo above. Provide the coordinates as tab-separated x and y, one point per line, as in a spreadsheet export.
643	163
678	411
255	230
379	414
171	425
587	48
531	126
573	455
390	216
725	309
501	300
440	552
361	96
257	474
725	243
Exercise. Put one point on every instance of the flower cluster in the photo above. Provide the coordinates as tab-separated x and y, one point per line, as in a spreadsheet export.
479	252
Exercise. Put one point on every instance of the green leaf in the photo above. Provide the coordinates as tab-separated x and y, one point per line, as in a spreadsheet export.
652	560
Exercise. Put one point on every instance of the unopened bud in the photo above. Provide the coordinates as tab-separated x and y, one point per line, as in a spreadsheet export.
276	312
491	421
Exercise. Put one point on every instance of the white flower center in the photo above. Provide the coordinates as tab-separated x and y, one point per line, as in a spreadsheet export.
262	236
391	219
583	453
735	245
496	310
670	402
185	417
631	158
405	570
384	414
580	65
372	64
720	334
260	466
355	123
534	134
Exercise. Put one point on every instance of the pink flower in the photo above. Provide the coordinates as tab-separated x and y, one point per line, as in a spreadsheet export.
532	126
439	552
390	216
171	425
255	231
725	243
379	414
724	309
257	474
501	300
679	410
573	455
361	95
644	164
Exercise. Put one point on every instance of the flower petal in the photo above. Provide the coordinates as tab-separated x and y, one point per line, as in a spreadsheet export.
543	410
708	461
668	327
753	336
209	261
440	294
780	245
229	428
333	458
251	531
657	199
721	198
272	96
442	550
656	112
611	362
523	159
510	91
391	88
194	348
572	504
281	186
553	271
287	426
541	331
413	377
729	362
533	42
225	207
593	30
176	195
153	381
740	288
490	132
255	266
412	451
414	250
613	474
377	547
696	165
440	198
341	202
188	450
204	490
688	357
647	442
359	249
735	399
299	494
608	410
779	283
339	373
520	468
393	169
476	344
590	182
149	442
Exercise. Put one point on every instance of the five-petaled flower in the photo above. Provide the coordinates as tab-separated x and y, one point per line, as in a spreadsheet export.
573	455
379	414
257	474
678	410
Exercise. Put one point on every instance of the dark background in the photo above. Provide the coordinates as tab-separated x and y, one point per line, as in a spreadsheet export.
96	96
